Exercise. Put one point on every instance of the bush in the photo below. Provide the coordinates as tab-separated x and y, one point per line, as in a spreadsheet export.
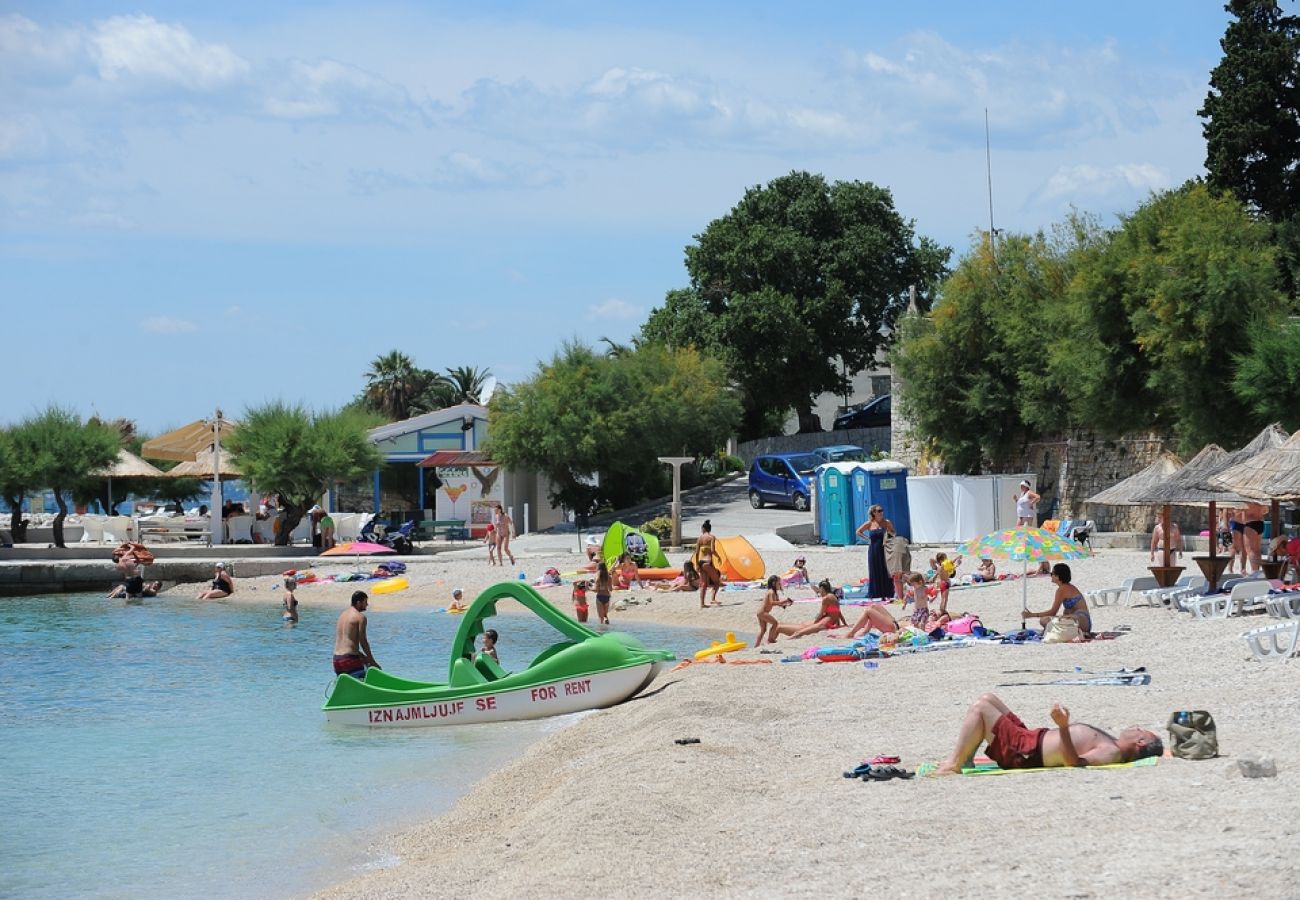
661	527
732	463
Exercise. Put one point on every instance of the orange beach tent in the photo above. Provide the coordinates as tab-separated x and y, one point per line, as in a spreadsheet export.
736	558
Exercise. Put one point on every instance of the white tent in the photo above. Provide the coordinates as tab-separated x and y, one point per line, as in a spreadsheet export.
947	509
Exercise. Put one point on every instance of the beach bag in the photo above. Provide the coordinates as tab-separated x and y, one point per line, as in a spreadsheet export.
965	625
1062	630
1192	735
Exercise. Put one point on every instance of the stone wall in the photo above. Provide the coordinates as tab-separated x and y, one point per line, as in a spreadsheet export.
870	439
1072	468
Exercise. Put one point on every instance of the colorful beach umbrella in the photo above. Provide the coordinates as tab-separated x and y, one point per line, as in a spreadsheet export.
358	548
1026	545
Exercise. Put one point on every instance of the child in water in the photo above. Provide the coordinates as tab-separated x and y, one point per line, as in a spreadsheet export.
490	644
580	607
765	618
604	587
289	601
457	604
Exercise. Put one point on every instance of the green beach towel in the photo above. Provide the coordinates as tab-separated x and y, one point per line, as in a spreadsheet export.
985	766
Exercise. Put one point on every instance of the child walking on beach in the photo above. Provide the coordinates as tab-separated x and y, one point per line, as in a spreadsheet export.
604	587
580	607
289	601
490	538
765	618
914	591
944	570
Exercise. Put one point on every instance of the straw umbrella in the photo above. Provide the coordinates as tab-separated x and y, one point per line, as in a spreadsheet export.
1123	493
1191	487
1253	477
127	465
208	465
188	442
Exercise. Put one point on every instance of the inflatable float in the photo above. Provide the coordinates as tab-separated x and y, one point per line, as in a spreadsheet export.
390	585
585	670
731	645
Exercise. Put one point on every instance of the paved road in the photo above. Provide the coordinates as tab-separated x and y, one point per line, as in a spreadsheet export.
726	506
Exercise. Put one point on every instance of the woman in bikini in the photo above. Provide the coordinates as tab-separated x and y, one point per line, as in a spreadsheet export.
710	577
504	527
828	616
1069	601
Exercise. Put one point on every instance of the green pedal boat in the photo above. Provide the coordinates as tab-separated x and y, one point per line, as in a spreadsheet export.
587	670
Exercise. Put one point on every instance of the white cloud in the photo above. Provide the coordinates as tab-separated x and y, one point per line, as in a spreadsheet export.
169	325
1085	180
328	88
143	48
614	309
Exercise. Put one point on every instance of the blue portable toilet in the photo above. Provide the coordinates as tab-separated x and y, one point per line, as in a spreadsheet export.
883	482
835	503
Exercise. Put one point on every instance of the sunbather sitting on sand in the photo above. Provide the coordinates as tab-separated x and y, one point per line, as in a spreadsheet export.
689	580
765	618
626	573
1069	601
874	615
828	616
1013	746
986	571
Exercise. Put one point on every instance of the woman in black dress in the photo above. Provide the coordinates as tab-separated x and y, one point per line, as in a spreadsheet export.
876	528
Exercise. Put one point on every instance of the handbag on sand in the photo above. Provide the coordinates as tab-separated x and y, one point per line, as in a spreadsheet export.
1192	735
1062	630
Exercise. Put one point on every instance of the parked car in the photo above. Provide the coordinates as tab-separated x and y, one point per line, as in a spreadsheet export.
842	453
784	478
874	414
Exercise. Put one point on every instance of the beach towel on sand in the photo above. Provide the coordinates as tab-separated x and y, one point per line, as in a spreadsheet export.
985	766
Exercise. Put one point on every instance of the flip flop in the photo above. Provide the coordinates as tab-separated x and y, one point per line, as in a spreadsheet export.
863	771
883	760
886	773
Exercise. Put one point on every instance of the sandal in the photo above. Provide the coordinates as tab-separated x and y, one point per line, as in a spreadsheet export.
887	773
862	771
883	760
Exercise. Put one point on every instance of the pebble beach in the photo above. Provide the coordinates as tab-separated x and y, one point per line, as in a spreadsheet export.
610	804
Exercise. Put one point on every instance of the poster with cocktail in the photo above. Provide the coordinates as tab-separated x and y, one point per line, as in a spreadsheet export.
469	493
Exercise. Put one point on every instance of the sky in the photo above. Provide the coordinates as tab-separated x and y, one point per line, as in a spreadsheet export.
221	204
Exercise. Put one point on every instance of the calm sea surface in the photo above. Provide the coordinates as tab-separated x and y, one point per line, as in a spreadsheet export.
177	748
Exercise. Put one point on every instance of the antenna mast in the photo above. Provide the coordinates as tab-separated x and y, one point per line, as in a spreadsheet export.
988	165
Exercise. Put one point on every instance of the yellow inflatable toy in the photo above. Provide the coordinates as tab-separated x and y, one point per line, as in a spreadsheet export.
390	585
730	646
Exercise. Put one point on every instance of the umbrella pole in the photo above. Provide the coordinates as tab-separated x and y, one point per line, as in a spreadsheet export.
1214	532
1164	520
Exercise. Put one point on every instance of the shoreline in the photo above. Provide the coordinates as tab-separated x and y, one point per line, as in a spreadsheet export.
609	803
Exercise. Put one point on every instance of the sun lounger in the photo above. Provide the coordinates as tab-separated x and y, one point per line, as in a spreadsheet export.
1156	596
92	529
1273	642
1283	606
1221	606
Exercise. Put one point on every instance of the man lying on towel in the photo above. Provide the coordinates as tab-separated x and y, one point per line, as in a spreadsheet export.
1013	746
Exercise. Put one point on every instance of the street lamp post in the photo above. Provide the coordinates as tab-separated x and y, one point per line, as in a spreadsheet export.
677	462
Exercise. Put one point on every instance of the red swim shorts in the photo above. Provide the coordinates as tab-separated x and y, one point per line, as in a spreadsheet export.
1014	746
351	664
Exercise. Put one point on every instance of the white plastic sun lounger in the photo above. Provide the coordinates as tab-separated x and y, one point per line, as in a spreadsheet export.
1273	642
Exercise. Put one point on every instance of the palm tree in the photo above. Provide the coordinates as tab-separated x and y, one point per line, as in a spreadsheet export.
466	383
395	386
617	350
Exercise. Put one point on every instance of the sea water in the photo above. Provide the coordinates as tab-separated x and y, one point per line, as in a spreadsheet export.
177	748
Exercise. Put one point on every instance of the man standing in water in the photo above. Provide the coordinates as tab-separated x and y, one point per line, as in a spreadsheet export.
352	654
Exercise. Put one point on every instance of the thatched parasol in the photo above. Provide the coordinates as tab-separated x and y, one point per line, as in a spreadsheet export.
1252	477
128	465
1122	493
1182	488
202	467
187	442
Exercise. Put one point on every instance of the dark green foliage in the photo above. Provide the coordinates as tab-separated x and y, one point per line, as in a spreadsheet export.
1267	377
585	413
17	480
287	450
1252	112
59	451
1115	332
800	280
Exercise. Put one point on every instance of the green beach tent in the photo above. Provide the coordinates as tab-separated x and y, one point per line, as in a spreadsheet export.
616	544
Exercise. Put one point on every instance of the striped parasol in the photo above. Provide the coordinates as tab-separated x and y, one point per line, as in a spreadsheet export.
1026	545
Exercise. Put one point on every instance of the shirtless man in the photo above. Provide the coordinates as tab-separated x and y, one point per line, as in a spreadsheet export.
352	654
1013	746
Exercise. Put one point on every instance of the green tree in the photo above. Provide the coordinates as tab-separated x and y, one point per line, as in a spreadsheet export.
586	414
62	451
465	384
398	389
1267	376
1197	271
1252	111
17	479
287	450
799	277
